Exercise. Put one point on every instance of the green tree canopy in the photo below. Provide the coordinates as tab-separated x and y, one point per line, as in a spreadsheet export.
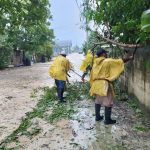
25	24
145	21
117	19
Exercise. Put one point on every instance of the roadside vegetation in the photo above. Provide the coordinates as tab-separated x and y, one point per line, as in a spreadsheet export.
25	26
123	24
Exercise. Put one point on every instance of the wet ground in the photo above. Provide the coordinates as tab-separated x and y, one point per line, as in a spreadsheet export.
81	132
16	86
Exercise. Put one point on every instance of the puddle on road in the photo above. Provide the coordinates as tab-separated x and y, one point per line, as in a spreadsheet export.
91	135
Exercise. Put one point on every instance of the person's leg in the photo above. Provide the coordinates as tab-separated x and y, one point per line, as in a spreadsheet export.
108	119
108	107
98	117
56	82
61	87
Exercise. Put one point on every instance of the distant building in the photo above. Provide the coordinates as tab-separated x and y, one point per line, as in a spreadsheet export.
62	46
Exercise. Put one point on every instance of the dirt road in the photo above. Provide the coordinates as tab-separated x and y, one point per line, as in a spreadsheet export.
16	86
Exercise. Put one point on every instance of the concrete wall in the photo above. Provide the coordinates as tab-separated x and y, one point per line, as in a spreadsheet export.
136	79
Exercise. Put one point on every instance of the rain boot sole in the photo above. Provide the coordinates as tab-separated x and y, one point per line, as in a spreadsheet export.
110	122
99	119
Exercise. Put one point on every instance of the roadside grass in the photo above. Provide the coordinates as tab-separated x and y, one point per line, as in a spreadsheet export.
48	100
134	104
141	128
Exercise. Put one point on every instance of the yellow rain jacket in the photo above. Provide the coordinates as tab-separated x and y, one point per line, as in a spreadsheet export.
103	72
59	68
88	61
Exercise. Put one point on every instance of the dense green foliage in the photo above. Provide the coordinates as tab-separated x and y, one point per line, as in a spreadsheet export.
117	19
25	25
5	49
145	21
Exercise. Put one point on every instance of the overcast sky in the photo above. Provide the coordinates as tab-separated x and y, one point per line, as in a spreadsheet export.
66	21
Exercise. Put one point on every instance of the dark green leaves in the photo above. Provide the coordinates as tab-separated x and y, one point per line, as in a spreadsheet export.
145	21
26	24
121	18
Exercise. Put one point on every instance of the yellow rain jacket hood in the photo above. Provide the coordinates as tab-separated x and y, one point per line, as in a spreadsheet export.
59	68
104	71
88	61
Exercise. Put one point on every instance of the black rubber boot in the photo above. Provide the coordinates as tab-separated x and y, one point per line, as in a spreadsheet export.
60	95
108	119
98	117
62	98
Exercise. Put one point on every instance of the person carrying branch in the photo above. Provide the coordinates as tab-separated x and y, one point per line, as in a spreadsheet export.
87	63
59	71
104	71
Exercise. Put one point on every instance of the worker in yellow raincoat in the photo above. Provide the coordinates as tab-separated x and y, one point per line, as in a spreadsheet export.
104	71
59	70
87	63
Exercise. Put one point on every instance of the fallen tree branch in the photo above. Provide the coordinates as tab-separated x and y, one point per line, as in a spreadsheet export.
119	44
101	43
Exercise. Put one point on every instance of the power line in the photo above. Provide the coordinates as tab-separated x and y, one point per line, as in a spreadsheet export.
78	6
80	11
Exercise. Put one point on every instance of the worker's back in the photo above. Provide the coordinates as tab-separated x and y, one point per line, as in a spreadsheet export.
59	68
